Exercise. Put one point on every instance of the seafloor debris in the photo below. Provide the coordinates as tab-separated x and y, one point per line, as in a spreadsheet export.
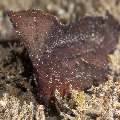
66	56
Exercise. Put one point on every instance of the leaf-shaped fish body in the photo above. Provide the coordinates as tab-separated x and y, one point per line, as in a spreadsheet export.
65	56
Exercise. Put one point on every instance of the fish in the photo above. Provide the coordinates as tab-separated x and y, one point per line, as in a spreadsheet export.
65	57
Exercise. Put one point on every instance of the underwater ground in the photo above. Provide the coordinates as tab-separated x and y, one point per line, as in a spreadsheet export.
18	99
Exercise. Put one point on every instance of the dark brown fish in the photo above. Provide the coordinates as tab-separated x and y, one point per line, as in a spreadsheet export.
65	56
